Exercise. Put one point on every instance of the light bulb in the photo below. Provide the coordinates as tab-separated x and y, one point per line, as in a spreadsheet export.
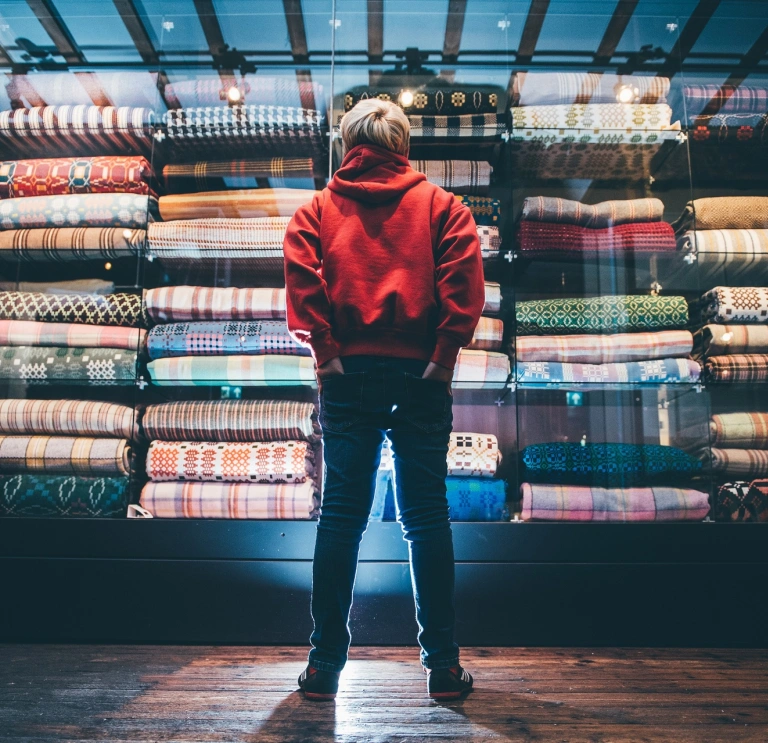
625	94
406	98
234	95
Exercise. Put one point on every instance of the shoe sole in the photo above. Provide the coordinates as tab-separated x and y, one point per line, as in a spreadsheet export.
315	697
448	694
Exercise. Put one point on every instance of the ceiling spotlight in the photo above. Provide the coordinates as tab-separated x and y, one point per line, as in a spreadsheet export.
406	98
626	94
234	95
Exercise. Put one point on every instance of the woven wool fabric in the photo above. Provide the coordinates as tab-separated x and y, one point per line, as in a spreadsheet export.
634	117
492	298
227	461
281	91
604	349
26	333
218	238
99	309
724	213
237	204
75	286
741	463
73	417
91	366
248	371
202	175
485	211
606	464
724	340
735	304
582	503
709	98
179	303
488	335
668	371
466	126
490	240
56	495
604	214
479	369
546	237
56	176
600	314
737	368
450	100
128	210
739	250
739	430
459	176
218	500
65	244
232	420
742	501
552	88
473	455
64	455
731	128
224	339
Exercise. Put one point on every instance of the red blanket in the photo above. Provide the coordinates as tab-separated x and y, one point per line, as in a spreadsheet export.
547	237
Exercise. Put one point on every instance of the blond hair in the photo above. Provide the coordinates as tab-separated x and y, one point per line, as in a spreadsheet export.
377	122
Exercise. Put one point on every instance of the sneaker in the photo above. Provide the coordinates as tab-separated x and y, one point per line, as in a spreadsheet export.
448	683
319	685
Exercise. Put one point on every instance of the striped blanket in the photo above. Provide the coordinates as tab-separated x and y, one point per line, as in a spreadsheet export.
553	88
666	371
124	310
77	366
739	463
179	303
459	176
735	304
738	250
248	371
492	298
547	237
236	204
595	216
65	244
724	340
488	335
74	335
473	455
205	176
711	98
739	430
65	455
279	91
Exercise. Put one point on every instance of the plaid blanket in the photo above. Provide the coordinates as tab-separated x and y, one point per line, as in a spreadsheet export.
740	463
248	371
606	464
583	503
724	213
742	501
737	368
218	500
73	417
27	333
492	298
739	430
459	176
481	369
206	176
667	371
65	455
98	309
600	314
280	91
552	88
178	303
546	237
731	128
223	338
723	340
71	366
473	455
56	495
605	214
488	335
735	304
634	118
604	349
490	240
477	127
485	211
725	98
237	204
65	244
431	99
232	420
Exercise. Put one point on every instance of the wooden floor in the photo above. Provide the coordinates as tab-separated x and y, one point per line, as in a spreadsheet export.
143	693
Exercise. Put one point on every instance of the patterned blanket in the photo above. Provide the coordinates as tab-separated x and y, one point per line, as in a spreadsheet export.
739	430
488	335
232	420
742	501
667	371
279	91
179	303
723	340
215	500
604	214
30	333
606	464
485	211
237	204
473	455
629	120
490	240
600	314
477	127
73	417
65	455
56	495
90	366
481	369
732	128
100	309
459	176
726	98
604	349
248	371
492	298
737	368
546	237
206	176
431	99
65	244
552	88
724	213
739	304
583	503
740	463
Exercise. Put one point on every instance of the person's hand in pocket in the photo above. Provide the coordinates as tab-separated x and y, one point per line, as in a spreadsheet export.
330	368
439	374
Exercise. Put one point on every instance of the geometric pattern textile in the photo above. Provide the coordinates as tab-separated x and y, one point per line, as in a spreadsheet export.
476	499
667	371
26	333
551	88
487	337
248	203
480	369
739	430
89	366
64	455
204	175
477	127
742	304
485	211
65	244
724	213
459	176
604	214
742	501
546	237
737	368
454	99
179	303
490	241
473	455
101	309
625	117
739	463
723	340
734	128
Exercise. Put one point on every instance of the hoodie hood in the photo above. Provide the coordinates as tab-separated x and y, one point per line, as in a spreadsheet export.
374	175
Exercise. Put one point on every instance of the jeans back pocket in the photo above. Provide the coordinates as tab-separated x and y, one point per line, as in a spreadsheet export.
429	403
341	401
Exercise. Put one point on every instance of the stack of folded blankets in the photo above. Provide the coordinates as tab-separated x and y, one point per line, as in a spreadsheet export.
604	340
727	113
231	459
564	481
560	227
65	458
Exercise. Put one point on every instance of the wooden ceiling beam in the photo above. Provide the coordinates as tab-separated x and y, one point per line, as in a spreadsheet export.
688	37
614	31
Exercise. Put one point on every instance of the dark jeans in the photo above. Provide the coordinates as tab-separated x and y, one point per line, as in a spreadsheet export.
377	396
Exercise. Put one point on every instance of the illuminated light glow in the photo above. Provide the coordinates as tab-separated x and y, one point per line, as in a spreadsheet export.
107	266
234	95
127	234
626	94
727	337
406	98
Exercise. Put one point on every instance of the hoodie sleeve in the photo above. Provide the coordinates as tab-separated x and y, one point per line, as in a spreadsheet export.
309	310
460	284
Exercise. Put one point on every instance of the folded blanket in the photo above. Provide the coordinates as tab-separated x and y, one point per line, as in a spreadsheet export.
73	417
492	298
606	464
600	314
723	340
739	430
724	213
476	499
490	240
222	338
56	495
78	210
232	420
427	98
485	211
604	349
480	369
74	335
549	88
202	175
667	371
465	126
65	455
218	500
249	371
741	463
546	237
737	368
732	128
580	503
604	214
67	175
735	304
178	303
75	286
237	204
709	98
459	176
627	117
65	244
740	248
488	335
742	501
94	366
272	91
100	309
473	455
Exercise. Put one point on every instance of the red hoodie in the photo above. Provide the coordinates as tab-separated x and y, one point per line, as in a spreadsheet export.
383	263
